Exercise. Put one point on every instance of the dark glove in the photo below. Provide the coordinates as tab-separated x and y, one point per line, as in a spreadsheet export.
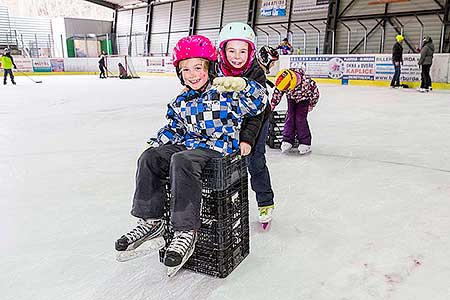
152	143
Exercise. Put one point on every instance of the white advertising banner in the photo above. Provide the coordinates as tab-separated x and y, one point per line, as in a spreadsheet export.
300	6
360	67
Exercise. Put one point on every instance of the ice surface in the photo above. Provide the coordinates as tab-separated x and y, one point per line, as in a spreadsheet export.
365	216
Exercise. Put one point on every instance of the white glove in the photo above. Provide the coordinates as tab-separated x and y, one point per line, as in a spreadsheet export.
229	84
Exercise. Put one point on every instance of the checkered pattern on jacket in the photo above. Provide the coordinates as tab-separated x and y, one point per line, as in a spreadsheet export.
306	90
211	119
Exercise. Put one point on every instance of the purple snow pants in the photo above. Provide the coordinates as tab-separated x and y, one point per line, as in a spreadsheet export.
297	123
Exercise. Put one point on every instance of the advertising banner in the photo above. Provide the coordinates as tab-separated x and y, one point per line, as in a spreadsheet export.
57	64
336	67
360	67
168	65
410	71
273	8
160	65
300	6
42	65
155	65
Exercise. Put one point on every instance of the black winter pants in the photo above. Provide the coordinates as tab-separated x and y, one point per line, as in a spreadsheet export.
5	75
184	168
257	167
426	78
102	71
396	78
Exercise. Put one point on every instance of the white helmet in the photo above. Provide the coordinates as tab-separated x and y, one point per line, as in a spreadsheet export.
237	31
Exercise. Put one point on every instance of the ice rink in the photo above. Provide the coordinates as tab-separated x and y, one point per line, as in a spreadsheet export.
365	216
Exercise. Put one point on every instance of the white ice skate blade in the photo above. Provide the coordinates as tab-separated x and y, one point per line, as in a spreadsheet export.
171	271
304	153
146	248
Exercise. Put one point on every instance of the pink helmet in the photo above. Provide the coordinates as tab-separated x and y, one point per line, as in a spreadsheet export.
194	46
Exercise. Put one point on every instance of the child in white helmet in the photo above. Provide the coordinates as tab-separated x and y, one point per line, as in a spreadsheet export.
203	123
237	58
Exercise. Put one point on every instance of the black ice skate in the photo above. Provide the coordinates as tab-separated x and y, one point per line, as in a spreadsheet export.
144	239
179	250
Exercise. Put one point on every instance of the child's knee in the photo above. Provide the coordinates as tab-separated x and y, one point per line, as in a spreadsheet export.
149	156
180	160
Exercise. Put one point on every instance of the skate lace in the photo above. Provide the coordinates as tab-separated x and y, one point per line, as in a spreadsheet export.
181	241
142	229
264	211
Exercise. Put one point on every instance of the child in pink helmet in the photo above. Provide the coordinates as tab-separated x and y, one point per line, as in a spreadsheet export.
203	123
237	58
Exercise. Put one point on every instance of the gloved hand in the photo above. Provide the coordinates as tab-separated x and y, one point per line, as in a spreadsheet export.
229	84
152	143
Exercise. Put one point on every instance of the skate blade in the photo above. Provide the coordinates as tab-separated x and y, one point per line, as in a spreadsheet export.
146	248
171	271
304	153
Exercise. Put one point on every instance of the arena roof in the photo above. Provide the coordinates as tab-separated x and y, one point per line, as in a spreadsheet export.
117	4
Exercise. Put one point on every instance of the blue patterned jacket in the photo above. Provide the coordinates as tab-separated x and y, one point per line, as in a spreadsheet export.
210	119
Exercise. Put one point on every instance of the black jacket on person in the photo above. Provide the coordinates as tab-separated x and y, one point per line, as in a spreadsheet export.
397	52
101	62
252	125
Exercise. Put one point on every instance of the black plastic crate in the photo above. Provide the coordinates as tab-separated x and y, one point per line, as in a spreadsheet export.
223	239
277	116
220	173
219	205
276	127
219	263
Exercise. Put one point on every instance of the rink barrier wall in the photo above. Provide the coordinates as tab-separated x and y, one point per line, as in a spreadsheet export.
359	70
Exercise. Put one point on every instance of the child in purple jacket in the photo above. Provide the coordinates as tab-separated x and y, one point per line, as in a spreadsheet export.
302	96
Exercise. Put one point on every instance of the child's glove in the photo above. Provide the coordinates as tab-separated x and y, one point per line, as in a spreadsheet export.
152	143
229	84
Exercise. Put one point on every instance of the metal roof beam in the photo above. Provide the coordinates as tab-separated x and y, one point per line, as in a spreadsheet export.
104	3
394	14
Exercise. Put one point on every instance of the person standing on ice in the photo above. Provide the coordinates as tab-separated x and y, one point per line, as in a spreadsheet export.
426	60
102	65
7	65
285	47
236	58
200	127
302	96
397	60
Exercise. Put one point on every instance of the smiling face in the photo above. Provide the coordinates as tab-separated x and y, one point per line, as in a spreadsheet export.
194	72
237	53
